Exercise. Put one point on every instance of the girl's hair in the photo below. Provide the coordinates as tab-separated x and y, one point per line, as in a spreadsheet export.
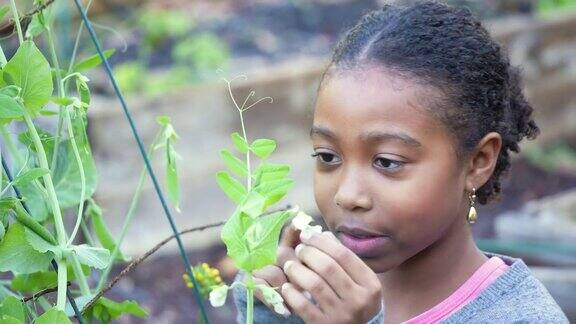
449	50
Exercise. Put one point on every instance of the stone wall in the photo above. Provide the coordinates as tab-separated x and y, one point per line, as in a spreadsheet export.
204	117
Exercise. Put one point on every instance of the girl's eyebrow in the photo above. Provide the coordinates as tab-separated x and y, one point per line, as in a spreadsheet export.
376	136
373	136
322	131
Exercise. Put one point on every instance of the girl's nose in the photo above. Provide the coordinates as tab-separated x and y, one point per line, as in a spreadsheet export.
352	191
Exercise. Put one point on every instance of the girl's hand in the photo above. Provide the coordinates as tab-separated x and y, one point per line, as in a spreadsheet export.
273	275
344	288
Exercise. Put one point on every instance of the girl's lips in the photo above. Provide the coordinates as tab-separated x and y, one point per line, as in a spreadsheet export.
364	246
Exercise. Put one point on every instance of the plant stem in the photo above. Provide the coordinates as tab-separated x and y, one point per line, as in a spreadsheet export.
77	41
53	200
249	181
62	284
83	283
3	60
249	298
17	21
86	233
128	218
7	139
61	93
60	230
82	175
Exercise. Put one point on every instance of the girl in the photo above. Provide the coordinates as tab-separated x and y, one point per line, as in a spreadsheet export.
414	122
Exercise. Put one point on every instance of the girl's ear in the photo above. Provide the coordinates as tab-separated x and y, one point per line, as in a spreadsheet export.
483	160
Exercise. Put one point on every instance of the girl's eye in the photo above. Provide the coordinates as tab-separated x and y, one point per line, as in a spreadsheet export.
326	158
388	164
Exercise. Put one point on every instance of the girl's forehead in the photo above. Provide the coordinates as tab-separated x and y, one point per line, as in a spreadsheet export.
365	99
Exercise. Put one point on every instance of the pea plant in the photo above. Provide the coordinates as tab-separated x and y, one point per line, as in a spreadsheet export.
52	180
51	183
252	233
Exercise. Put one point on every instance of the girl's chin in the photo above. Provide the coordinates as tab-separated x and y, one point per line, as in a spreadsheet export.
382	263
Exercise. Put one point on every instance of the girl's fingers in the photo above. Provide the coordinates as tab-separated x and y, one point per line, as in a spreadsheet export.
284	254
328	269
350	262
301	305
290	236
258	294
301	276
272	274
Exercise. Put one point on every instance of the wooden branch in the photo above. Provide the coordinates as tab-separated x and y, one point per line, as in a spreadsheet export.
143	257
7	29
41	292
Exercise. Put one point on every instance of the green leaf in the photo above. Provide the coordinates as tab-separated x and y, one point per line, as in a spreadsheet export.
172	183
12	307
251	246
48	113
263	147
34	282
253	204
3	11
17	255
235	165
269	172
93	61
126	307
10	91
28	221
66	177
36	27
163	120
240	143
40	244
2	231
5	319
274	190
102	231
53	316
233	236
62	101
231	187
29	70
9	108
83	91
107	310
29	176
92	256
264	242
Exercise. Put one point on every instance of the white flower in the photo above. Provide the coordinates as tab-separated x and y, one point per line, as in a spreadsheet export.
273	298
280	308
313	229
218	295
302	220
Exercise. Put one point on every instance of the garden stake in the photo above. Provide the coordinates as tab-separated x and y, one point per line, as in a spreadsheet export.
108	69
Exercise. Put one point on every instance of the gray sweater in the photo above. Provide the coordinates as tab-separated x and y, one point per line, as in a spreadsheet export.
515	297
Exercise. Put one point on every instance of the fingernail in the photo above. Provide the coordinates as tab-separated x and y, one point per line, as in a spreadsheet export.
307	295
287	265
298	248
305	236
285	286
282	310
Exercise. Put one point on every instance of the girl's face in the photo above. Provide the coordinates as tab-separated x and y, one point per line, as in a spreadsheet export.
386	181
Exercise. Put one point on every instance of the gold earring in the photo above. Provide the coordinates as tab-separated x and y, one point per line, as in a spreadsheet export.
472	215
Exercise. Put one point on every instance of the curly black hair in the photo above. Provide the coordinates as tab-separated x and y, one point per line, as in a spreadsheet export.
447	49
